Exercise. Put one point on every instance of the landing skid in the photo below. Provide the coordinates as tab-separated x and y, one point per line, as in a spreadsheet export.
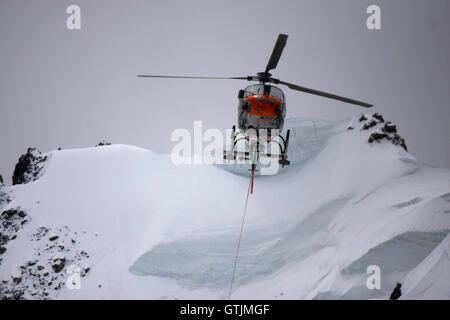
257	147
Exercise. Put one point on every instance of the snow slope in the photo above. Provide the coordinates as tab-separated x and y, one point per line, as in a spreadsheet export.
421	281
139	226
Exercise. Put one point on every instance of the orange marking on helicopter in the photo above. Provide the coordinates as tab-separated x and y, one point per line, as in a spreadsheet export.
262	105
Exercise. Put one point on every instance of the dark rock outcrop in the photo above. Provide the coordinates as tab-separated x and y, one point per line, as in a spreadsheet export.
376	136
58	265
11	222
103	143
4	196
369	124
48	268
381	130
378	116
389	127
29	167
397	292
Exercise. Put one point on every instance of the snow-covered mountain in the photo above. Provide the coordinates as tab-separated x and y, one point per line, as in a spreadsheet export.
133	225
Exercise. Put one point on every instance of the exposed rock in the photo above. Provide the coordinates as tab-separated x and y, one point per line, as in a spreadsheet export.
378	116
376	136
29	167
103	143
43	275
389	127
11	221
397	140
372	123
32	262
397	292
362	118
21	214
59	265
4	196
3	238
380	130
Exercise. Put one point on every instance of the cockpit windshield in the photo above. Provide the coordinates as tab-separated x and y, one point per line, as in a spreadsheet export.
264	89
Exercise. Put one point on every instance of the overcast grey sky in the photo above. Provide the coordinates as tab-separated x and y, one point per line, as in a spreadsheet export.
72	88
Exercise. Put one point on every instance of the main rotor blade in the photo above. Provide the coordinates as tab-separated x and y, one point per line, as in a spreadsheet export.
324	94
189	77
276	53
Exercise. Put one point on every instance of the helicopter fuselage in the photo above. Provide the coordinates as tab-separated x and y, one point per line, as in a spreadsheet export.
261	107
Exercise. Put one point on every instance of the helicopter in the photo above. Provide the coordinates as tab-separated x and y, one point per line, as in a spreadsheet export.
261	112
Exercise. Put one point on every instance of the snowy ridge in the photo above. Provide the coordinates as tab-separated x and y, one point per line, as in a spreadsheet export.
156	230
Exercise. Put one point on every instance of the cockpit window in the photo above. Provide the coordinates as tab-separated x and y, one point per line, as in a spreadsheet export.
264	89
